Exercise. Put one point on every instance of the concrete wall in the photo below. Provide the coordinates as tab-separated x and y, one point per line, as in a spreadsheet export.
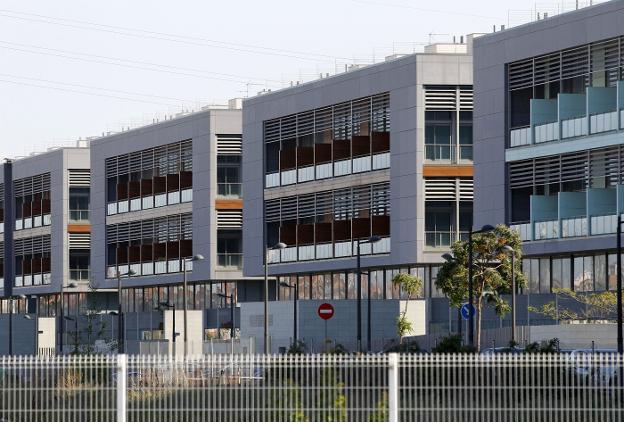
577	336
341	328
403	79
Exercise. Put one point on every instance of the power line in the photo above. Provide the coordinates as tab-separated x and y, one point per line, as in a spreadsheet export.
64	54
183	39
421	9
87	93
94	87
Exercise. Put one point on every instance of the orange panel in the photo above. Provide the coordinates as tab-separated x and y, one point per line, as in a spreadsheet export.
450	171
229	204
79	228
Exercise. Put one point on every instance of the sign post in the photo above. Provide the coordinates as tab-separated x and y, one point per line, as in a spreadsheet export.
325	311
466	311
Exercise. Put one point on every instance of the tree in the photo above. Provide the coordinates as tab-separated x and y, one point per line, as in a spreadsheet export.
411	285
491	272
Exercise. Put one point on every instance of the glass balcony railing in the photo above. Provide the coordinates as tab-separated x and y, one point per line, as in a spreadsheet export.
78	215
230	260
229	189
76	274
448	153
443	239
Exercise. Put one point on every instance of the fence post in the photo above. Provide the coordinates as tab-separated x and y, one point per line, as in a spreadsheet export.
122	387
393	387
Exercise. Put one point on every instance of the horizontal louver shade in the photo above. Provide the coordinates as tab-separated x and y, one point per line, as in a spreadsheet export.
229	144
160	229
166	159
79	178
448	189
229	219
32	245
448	98
31	185
79	241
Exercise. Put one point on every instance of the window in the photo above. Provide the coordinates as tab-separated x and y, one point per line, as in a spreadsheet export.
79	198
229	175
79	265
230	248
32	202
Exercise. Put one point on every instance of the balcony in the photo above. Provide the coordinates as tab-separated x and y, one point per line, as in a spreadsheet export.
230	261
343	249
78	215
597	110
229	189
147	202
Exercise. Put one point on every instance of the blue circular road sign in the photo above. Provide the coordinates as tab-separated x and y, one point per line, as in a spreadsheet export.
466	310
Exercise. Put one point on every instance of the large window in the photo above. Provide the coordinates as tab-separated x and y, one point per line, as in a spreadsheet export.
341	139
229	175
79	264
79	199
448	210
230	248
325	224
32	261
148	247
150	178
32	202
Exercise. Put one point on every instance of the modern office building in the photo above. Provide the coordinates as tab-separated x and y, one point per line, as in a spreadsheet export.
46	230
383	150
548	143
162	194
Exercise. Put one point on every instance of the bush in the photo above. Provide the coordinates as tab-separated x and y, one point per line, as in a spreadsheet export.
407	347
550	346
297	348
452	344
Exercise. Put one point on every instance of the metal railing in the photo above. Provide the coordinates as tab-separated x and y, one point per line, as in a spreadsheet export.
229	189
230	260
385	387
76	274
79	215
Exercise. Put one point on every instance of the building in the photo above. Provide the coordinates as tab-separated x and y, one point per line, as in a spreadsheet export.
383	150
548	143
162	194
46	230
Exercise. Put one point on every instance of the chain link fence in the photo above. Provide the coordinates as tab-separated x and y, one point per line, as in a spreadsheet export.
390	387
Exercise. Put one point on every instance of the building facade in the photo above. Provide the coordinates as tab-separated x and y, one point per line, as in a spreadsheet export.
162	194
548	143
384	151
46	230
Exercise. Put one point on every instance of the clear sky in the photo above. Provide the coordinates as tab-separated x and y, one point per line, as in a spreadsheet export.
75	68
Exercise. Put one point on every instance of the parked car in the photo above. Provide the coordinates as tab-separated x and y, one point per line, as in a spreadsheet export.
594	366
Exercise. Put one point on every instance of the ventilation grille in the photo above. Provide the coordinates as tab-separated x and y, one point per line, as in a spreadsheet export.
229	144
229	219
448	189
448	98
79	178
79	241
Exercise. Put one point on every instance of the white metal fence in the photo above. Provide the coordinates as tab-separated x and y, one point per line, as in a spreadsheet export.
392	387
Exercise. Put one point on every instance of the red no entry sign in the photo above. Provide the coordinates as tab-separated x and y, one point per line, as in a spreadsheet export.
325	311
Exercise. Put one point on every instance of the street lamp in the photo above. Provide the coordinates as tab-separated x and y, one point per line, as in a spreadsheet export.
62	326
370	240
484	229
194	258
296	295
12	306
120	328
511	252
277	247
168	305
231	297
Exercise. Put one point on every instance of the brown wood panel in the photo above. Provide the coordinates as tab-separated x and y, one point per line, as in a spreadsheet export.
447	171
229	204
79	228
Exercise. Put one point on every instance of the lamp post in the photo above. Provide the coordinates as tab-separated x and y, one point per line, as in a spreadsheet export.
620	337
510	251
12	307
120	327
370	240
277	247
231	298
168	305
296	295
62	325
195	258
484	229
